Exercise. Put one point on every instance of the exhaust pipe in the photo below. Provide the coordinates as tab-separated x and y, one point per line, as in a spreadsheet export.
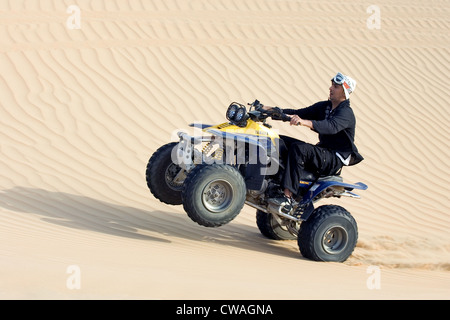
274	211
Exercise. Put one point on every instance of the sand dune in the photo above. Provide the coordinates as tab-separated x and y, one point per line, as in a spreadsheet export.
82	110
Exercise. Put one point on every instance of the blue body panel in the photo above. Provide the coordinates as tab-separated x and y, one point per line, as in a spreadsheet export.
318	187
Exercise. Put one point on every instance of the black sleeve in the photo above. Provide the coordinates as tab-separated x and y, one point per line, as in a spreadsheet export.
313	112
342	119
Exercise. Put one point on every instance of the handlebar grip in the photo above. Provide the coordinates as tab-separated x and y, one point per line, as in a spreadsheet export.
285	118
278	114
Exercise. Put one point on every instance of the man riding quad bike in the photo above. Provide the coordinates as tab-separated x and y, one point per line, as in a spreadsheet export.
207	174
244	161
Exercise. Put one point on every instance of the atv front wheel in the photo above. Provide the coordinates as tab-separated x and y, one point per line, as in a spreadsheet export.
213	195
271	228
165	178
330	234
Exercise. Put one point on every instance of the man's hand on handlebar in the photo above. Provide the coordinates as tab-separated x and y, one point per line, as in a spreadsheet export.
297	121
277	114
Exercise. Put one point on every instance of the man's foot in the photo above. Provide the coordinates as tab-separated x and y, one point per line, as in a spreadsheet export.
284	202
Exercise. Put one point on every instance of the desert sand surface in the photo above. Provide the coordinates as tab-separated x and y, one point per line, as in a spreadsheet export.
86	99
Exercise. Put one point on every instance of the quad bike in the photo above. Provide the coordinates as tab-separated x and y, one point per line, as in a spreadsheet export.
209	175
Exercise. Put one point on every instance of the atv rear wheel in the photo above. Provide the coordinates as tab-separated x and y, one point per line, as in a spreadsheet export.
213	195
330	234
271	228
165	178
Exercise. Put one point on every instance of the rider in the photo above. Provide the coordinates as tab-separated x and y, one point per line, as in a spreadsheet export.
335	122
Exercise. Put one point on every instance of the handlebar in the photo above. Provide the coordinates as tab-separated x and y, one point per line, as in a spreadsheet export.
275	113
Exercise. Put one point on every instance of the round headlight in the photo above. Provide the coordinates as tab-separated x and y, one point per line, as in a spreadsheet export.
240	115
231	112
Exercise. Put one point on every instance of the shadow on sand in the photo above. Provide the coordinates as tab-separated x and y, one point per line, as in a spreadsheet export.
85	213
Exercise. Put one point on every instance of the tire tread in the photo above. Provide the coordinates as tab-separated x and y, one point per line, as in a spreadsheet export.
310	227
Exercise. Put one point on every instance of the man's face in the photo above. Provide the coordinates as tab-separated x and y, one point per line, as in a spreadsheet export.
336	92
